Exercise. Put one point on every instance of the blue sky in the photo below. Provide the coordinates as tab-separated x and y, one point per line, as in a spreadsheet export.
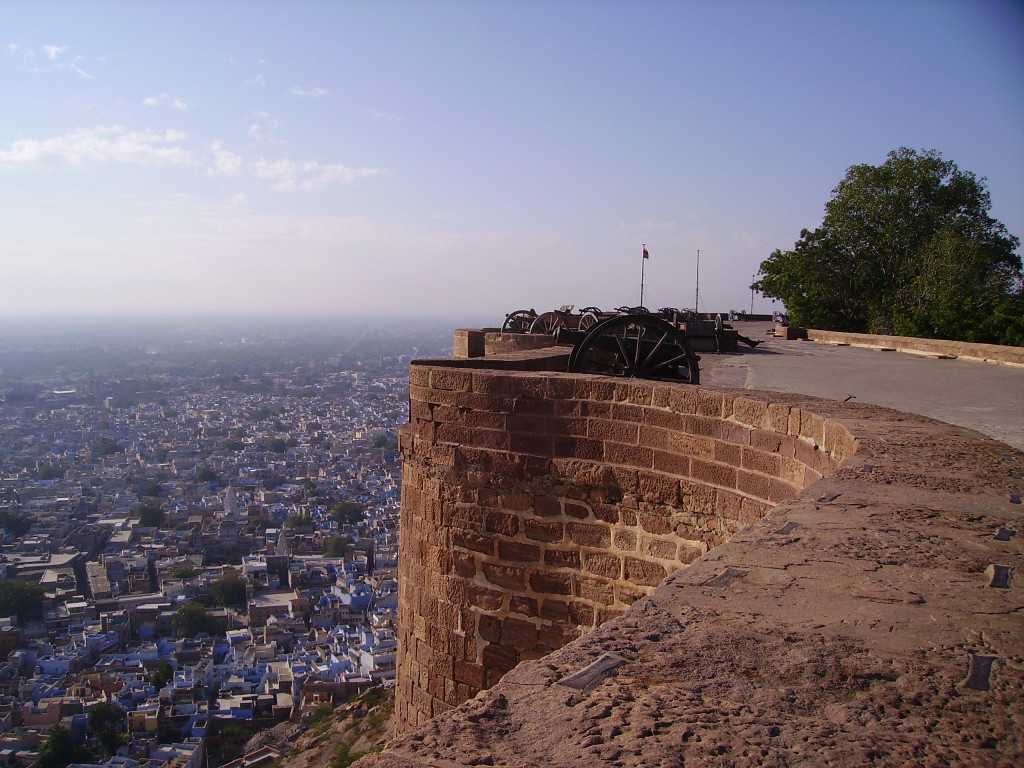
466	159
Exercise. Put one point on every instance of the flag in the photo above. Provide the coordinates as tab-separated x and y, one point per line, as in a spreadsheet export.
646	255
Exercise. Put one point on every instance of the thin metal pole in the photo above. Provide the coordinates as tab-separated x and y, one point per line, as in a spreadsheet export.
643	263
752	294
696	295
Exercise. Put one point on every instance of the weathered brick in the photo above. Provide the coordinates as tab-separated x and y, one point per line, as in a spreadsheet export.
473	541
596	591
603	564
658	488
629	455
562	558
555	610
660	548
469	674
507	576
750	412
499	657
451	378
504	523
518	633
752	484
624	540
485	598
713	473
657	521
490	628
577	448
643	572
578	509
543	530
672	463
606	513
529	442
516	551
587	535
551	583
527	606
620	432
759	461
581	614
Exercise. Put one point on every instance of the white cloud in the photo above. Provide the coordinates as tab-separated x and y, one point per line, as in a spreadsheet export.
256	82
163	98
239	199
99	144
378	115
255	132
224	161
53	51
13	47
309	176
308	93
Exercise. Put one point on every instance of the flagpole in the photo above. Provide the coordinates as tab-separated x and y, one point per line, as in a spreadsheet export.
696	295
643	263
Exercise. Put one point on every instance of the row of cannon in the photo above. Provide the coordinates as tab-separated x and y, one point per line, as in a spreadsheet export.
629	341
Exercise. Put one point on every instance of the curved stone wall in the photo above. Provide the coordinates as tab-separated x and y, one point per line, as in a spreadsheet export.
536	506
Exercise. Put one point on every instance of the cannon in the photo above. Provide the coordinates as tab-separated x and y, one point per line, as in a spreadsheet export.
528	321
639	345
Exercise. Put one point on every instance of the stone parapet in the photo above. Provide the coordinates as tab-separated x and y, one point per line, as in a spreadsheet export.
990	353
734	577
537	506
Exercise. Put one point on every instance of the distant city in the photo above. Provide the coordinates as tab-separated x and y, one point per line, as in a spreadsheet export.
200	532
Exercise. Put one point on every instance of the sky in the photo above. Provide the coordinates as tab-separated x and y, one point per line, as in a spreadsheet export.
466	159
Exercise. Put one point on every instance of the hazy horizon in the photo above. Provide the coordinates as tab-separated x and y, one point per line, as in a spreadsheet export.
463	160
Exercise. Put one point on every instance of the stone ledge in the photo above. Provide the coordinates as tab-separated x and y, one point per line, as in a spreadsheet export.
855	623
991	353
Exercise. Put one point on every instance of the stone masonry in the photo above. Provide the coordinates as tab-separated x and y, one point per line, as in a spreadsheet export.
603	571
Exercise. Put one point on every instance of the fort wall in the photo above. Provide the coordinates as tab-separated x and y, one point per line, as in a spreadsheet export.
539	505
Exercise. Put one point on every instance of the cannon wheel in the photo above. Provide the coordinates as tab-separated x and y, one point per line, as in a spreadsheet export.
547	322
519	321
594	310
679	364
589	320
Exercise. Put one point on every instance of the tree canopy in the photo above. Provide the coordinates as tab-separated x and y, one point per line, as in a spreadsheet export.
60	749
229	589
191	619
905	248
21	598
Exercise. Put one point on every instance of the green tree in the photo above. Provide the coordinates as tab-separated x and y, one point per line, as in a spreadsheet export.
60	749
336	546
15	523
277	445
150	514
52	471
256	524
183	572
191	619
21	598
905	248
107	721
348	512
205	475
162	675
298	521
230	589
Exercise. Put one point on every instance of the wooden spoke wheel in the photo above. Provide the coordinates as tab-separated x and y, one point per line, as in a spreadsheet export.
519	321
547	322
638	346
589	320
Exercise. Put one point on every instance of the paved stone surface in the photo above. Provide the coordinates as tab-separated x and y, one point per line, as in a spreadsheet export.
981	396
